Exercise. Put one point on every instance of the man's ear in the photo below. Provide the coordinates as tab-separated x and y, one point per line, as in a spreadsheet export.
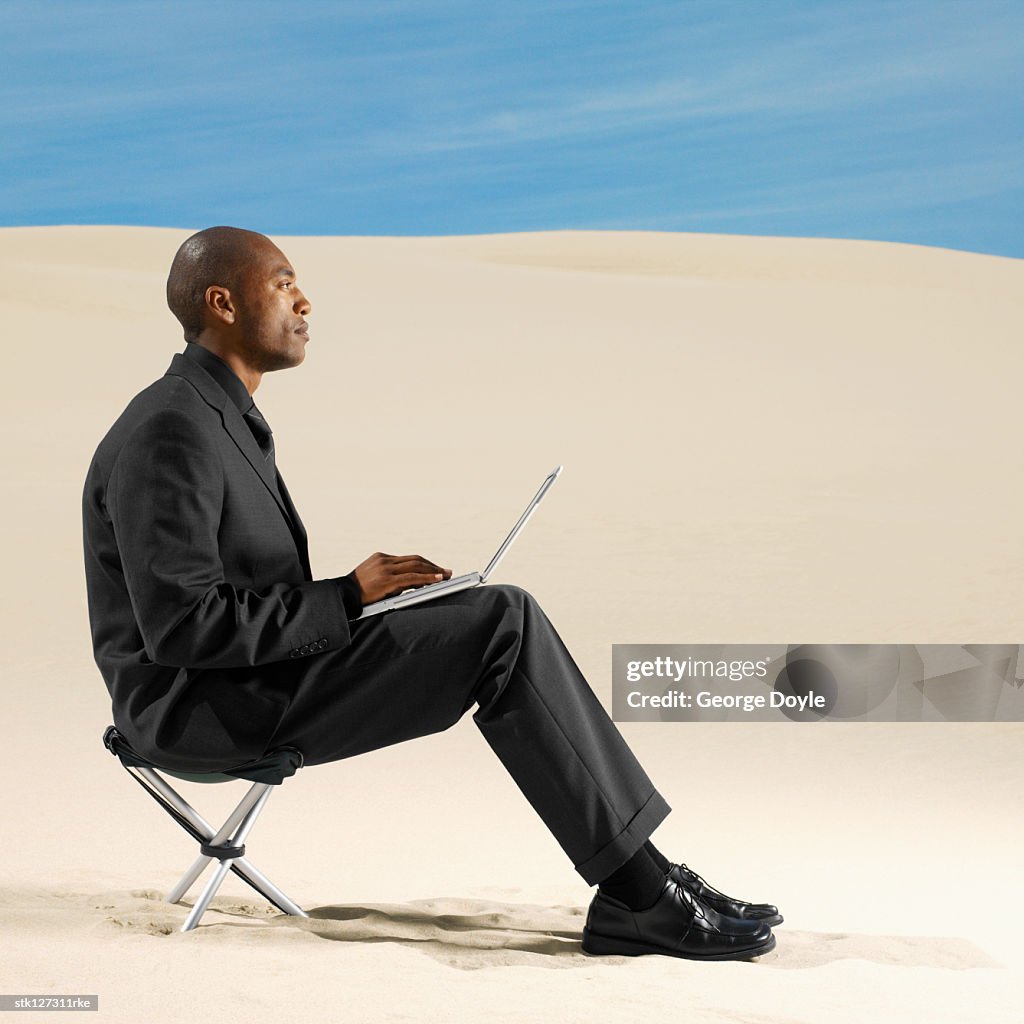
220	304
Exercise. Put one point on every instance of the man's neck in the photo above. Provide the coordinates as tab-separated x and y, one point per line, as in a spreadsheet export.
246	374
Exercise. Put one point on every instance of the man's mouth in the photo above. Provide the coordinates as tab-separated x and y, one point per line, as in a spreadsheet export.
303	330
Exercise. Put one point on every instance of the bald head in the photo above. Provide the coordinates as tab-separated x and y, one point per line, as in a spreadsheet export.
215	256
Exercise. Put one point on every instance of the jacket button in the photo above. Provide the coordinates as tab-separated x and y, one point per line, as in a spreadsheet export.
293	654
323	643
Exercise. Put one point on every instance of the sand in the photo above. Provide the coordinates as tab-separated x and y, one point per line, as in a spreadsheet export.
764	439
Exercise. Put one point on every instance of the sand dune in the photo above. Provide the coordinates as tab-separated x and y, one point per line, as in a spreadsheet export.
765	440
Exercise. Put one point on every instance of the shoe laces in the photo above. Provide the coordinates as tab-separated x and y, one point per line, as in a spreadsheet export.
691	876
709	890
693	903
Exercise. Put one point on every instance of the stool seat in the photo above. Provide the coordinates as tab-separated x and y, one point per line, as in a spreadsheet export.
273	768
226	844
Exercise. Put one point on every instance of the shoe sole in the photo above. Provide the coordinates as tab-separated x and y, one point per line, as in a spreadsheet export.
604	945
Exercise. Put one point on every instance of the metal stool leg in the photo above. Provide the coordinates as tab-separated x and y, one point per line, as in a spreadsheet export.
224	836
267	889
208	893
257	792
242	819
188	879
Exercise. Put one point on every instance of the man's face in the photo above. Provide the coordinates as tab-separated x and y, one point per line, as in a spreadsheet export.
271	311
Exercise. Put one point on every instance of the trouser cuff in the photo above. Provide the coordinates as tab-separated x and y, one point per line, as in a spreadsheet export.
616	852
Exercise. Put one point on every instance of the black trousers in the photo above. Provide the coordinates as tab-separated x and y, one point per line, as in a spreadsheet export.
417	671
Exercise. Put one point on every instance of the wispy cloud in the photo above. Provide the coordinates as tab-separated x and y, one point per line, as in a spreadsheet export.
786	78
897	189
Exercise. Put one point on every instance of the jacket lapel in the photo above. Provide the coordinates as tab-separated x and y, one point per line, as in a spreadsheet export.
240	433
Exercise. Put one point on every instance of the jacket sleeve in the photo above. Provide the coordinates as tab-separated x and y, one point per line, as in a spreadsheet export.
351	594
164	497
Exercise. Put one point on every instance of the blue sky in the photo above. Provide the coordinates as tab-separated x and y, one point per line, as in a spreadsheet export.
900	121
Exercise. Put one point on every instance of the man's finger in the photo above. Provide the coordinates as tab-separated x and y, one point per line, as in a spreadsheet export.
415	579
413	563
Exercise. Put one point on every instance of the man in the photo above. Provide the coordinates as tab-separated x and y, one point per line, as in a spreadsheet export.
216	644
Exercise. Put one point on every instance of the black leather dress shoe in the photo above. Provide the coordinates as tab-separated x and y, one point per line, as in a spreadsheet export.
725	905
677	925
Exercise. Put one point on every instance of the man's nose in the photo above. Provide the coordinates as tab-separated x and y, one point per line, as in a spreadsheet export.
302	306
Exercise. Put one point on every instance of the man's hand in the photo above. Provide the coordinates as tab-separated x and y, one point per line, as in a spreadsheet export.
383	575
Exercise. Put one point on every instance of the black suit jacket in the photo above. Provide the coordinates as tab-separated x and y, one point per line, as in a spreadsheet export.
201	599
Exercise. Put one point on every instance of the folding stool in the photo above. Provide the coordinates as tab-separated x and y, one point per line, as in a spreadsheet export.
226	844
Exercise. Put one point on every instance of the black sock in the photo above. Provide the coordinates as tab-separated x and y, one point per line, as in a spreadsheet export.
638	883
658	857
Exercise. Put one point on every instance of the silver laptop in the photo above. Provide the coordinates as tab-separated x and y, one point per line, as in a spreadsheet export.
471	579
